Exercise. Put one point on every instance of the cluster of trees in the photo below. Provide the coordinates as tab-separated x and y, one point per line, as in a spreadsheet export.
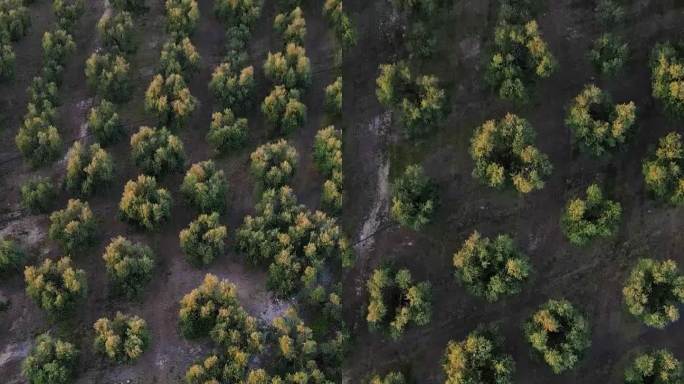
340	23
504	154
37	195
419	101
655	367
50	361
15	21
123	338
74	226
395	301
204	187
274	164
667	72
559	333
520	57
38	139
129	266
55	286
490	268
11	255
664	172
145	204
598	125
654	291
204	239
479	358
596	216
156	151
88	168
414	198
327	154
292	240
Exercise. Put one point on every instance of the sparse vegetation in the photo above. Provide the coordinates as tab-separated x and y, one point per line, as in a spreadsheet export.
595	216
129	266
55	286
51	361
414	197
74	226
144	204
123	338
664	172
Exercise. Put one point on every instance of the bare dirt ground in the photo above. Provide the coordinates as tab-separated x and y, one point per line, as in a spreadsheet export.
590	277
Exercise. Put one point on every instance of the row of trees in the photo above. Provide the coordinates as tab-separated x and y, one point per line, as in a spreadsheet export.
38	139
15	20
327	155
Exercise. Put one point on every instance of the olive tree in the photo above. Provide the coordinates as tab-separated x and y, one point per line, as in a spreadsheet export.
414	196
7	61
50	361
37	195
204	239
105	124
231	88
232	12
395	301
419	102
129	266
479	358
181	17
283	109
169	98
596	216
123	338
559	333
11	255
55	285
491	268
38	140
144	204
273	164
658	366
291	26
654	291
57	46
67	12
179	57
226	132
340	23
74	226
520	57
609	54
664	171
117	31
333	97
15	20
108	74
156	151
504	154
88	169
205	187
598	125
667	72
290	68
328	159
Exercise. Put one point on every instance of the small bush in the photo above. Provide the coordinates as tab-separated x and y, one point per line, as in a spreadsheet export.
333	97
664	172
181	17
170	99
145	205
205	187
478	359
117	31
74	226
291	26
559	333
179	57
419	102
105	124
11	255
204	239
51	361
37	195
654	291
504	154
290	68
56	286
123	338
491	269
414	196
109	75
232	89
226	132
284	110
585	220
599	126
274	164
129	266
667	73
655	367
88	169
609	54
520	57
156	151
395	301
